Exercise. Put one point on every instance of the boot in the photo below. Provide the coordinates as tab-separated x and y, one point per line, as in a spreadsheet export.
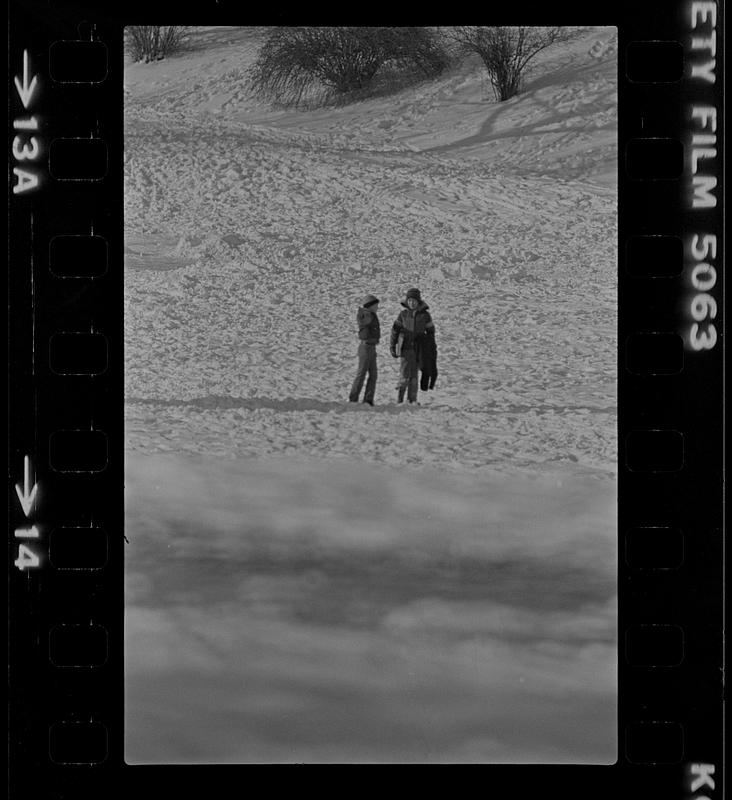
400	394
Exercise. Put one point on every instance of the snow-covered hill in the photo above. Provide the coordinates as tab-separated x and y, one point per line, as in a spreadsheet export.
251	236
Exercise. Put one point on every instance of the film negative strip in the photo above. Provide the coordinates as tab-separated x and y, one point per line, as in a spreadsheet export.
67	440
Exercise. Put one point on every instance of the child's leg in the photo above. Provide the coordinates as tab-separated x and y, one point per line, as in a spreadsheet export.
403	377
412	390
368	396
363	364
411	374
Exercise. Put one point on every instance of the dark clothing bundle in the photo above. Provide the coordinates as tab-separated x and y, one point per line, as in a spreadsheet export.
427	360
369	332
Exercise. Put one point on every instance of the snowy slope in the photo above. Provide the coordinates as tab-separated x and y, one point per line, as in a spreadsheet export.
315	580
249	245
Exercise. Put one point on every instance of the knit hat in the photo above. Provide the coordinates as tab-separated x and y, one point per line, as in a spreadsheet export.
369	300
414	293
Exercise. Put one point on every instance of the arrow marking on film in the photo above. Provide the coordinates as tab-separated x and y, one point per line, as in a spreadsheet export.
27	533
26	493
25	90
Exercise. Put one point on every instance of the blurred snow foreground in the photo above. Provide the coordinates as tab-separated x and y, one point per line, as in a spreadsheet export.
313	580
277	612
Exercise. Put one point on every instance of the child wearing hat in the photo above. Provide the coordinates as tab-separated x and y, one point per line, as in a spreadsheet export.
369	333
413	324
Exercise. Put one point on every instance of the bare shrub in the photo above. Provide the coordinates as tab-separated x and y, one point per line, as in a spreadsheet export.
506	51
297	65
155	42
420	49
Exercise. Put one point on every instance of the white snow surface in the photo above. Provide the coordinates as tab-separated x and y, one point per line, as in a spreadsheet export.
251	235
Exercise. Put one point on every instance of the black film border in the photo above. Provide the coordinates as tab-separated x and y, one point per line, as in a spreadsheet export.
66	446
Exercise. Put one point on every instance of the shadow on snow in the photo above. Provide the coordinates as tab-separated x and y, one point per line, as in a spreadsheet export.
286	404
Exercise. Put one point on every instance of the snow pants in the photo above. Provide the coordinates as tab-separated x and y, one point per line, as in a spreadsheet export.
366	365
408	375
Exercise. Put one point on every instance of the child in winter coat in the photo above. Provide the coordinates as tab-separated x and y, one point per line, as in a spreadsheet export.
369	333
408	333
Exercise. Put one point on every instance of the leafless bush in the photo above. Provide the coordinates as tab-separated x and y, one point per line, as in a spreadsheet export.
300	64
506	51
154	42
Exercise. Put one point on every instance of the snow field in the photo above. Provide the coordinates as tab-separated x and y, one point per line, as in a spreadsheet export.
378	615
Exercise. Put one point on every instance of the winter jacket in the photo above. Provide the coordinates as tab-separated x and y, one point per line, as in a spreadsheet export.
369	330
427	362
414	325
